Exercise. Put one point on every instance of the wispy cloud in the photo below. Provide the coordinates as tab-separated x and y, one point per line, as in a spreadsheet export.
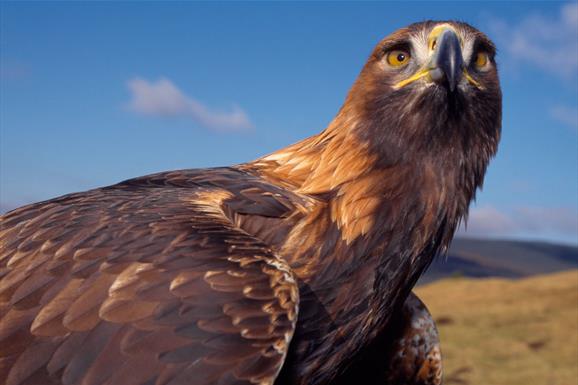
488	221
540	222
164	98
566	115
550	44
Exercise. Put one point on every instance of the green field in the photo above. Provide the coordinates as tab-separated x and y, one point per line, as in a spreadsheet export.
507	332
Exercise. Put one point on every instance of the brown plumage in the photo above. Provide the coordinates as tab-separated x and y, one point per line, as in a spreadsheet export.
296	268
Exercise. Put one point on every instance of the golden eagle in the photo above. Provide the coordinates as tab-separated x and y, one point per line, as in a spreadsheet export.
296	268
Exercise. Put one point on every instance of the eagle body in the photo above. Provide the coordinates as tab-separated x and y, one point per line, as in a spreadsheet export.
293	269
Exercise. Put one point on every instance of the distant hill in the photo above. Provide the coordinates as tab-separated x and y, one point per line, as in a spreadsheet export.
479	258
498	331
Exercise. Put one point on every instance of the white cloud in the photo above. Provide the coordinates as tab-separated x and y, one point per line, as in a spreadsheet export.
540	222
550	44
488	221
163	98
566	115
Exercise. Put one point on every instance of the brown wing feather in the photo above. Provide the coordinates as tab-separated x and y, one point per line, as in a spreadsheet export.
146	282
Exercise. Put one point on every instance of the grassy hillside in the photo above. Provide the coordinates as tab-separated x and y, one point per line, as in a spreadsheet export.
507	332
501	258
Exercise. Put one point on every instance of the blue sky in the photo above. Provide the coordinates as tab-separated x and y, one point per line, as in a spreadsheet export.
94	93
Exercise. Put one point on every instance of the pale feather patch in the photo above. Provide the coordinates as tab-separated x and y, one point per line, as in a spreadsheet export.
212	199
421	52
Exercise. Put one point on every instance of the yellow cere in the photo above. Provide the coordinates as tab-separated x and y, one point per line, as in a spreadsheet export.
425	72
472	80
418	75
435	32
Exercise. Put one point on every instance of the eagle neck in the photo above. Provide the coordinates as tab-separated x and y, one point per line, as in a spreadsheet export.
320	164
373	228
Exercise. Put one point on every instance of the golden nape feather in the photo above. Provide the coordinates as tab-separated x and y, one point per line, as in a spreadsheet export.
294	269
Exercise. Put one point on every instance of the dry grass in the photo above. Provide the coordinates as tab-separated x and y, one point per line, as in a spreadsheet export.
502	332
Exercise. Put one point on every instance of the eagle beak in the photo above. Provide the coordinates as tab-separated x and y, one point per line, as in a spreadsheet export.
447	63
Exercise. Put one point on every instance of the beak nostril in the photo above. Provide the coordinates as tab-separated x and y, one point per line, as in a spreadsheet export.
434	43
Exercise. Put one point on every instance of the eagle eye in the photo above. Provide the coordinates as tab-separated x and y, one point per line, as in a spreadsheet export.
481	60
397	57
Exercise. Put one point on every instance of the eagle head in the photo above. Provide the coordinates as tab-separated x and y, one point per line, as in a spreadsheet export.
430	91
